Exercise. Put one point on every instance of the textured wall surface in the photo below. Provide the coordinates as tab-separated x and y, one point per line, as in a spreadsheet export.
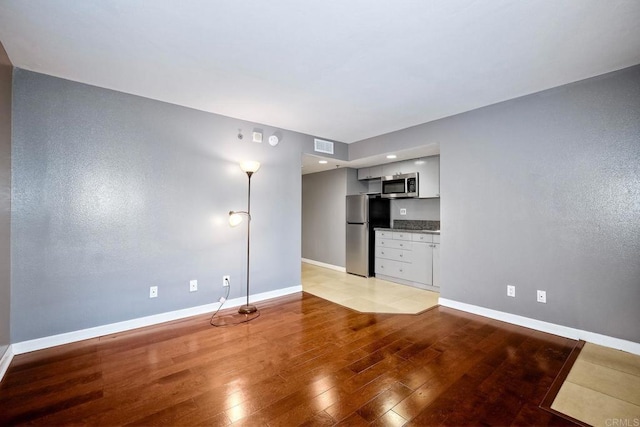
114	193
323	213
6	71
323	216
542	192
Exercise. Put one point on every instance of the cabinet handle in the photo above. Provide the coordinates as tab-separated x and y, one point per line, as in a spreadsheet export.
400	255
382	252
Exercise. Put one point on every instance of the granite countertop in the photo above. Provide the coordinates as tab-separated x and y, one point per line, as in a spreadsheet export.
408	231
414	226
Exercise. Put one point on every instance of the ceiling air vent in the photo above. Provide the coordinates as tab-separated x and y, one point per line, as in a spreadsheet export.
322	146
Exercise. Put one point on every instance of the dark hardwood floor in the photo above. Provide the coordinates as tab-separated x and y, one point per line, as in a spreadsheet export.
304	361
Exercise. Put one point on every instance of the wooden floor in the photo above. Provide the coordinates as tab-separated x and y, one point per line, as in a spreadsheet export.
304	361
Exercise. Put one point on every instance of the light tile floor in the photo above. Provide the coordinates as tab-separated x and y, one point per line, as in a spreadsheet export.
365	295
603	388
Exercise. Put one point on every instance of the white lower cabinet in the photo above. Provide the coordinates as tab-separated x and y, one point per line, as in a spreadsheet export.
407	258
422	270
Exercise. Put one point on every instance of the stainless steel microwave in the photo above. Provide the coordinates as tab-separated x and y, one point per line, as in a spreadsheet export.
400	186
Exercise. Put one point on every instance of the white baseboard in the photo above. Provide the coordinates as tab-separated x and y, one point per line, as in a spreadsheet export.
551	328
5	361
98	331
322	264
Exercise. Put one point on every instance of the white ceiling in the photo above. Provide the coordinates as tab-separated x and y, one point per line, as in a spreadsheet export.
338	69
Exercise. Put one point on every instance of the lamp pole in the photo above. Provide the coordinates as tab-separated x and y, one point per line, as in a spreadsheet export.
248	308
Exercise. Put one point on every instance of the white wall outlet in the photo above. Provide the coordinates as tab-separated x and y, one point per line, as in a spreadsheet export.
403	211
511	291
226	280
153	292
542	296
193	285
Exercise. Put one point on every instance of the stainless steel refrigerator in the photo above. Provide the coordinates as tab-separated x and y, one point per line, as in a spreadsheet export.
364	213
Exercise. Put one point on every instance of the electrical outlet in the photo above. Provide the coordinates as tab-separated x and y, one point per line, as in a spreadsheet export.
226	280
403	211
511	291
153	292
193	285
542	296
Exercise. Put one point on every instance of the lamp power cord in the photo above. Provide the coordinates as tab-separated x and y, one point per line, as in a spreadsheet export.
222	300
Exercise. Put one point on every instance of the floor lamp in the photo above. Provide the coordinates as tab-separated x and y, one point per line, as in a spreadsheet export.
235	218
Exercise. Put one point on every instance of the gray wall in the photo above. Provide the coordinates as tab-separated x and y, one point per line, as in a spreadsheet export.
543	192
323	214
114	193
6	71
421	209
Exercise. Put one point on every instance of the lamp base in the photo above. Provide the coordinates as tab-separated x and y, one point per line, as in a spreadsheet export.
247	309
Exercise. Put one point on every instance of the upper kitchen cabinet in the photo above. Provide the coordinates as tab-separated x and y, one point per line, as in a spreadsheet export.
398	168
370	173
428	169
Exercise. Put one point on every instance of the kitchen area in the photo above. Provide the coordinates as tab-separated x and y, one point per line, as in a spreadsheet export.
380	221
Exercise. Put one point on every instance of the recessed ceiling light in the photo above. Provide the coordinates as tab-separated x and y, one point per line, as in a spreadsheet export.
391	156
323	162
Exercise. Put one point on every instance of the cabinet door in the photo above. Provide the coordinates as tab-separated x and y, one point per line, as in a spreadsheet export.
363	174
421	237
436	264
396	244
393	254
429	177
383	234
375	172
397	168
392	268
372	172
389	169
402	235
421	270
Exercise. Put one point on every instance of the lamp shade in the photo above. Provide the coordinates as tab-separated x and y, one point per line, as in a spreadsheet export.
234	219
250	166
